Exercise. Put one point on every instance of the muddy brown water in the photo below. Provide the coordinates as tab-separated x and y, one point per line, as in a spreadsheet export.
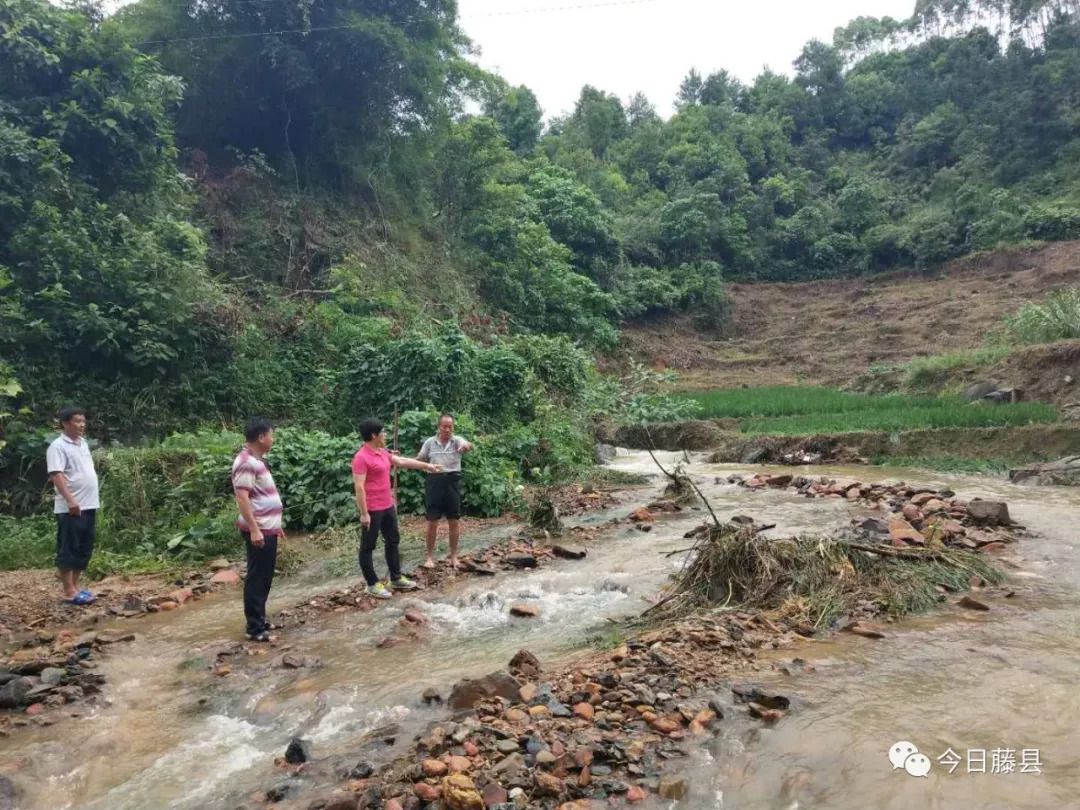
955	680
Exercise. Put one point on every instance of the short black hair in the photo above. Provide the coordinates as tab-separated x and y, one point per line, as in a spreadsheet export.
67	414
444	415
370	427
257	428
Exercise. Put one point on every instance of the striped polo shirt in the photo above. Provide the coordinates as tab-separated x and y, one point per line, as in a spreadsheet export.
250	474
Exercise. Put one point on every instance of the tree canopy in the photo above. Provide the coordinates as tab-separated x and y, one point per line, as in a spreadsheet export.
192	193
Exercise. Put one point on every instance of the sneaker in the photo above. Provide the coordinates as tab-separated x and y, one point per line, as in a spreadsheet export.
404	584
263	636
379	591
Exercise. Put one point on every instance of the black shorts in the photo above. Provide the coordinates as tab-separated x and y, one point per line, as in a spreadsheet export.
444	496
75	540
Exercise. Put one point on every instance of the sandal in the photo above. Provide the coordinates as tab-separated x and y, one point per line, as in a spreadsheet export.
82	598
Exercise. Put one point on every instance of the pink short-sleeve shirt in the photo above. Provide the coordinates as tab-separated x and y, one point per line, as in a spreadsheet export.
375	464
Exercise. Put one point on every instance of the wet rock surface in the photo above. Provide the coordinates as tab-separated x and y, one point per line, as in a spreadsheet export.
610	727
907	517
52	671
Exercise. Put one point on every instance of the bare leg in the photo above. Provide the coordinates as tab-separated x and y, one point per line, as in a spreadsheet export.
67	579
432	535
455	533
76	575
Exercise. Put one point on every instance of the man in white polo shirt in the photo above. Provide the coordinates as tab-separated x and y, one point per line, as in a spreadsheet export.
443	494
71	468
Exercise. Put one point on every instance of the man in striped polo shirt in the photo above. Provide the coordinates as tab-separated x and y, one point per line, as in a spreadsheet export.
259	523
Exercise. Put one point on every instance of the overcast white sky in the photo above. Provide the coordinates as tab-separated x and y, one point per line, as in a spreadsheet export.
649	45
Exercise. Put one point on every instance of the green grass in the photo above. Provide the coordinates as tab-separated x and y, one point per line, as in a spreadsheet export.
31	543
606	476
949	414
1056	318
742	403
923	372
793	411
996	467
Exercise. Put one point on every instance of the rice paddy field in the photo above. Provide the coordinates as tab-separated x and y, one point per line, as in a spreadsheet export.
796	411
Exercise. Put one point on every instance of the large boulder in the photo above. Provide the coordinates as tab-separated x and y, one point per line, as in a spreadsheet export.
976	392
13	693
605	453
992	513
1063	473
1004	395
469	692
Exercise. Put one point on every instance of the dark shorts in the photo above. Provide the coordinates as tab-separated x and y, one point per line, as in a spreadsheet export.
75	540
444	496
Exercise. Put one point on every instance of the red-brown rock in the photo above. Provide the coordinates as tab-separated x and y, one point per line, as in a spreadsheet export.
433	767
903	533
548	785
494	793
226	577
583	757
584	711
426	792
636	794
460	765
666	725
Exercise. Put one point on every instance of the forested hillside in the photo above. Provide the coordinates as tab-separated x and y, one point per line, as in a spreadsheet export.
212	209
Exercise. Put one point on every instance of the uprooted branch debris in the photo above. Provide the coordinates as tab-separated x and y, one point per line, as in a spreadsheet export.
811	580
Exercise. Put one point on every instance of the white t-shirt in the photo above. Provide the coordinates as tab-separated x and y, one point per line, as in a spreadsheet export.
72	458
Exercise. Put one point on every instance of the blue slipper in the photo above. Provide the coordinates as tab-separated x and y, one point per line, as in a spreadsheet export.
81	598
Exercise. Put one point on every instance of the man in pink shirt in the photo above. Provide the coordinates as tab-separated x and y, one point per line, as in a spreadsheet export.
378	513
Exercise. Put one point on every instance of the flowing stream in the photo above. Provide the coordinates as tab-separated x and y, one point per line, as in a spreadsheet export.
955	680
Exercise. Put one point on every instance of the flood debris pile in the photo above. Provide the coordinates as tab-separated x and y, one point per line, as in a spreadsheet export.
544	517
52	671
613	728
810	583
907	517
680	489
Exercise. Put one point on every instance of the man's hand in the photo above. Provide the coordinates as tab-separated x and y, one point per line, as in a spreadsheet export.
257	539
365	518
465	447
433	468
73	508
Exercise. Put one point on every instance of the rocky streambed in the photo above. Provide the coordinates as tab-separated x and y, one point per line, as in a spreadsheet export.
718	710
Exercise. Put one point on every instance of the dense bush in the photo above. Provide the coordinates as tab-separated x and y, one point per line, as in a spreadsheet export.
1056	318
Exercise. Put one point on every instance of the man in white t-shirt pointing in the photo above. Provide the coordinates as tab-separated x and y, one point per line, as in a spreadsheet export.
71	468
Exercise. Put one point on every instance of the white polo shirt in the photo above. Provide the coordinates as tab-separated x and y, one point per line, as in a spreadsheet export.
72	458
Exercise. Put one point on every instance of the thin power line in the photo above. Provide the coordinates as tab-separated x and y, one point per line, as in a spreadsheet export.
517	12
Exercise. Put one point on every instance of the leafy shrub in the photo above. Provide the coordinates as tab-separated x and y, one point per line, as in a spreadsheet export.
313	471
559	364
27	542
415	372
505	389
643	291
1053	221
1057	318
549	450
